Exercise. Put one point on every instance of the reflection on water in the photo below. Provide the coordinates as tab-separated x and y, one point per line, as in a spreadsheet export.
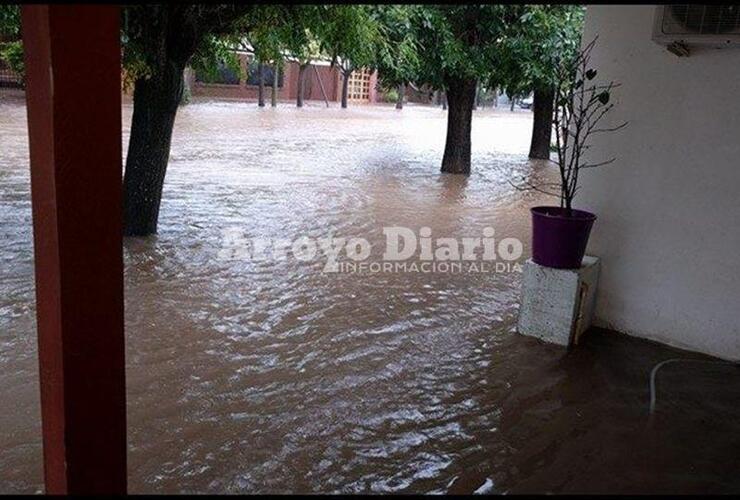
274	377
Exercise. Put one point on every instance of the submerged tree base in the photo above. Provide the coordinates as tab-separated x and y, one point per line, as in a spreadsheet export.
155	107
460	99
542	126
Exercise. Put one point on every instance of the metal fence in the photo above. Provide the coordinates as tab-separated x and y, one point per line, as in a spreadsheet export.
8	78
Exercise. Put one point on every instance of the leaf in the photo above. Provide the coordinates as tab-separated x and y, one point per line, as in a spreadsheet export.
591	74
604	97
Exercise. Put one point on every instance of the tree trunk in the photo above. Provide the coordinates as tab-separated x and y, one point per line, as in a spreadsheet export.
187	92
261	85
444	101
301	84
401	94
275	81
513	100
345	87
155	107
542	125
460	95
475	98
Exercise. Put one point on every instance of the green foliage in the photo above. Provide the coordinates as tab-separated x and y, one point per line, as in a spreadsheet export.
391	95
12	54
10	21
514	47
396	49
268	32
11	47
543	38
349	33
155	36
213	54
297	32
461	41
134	69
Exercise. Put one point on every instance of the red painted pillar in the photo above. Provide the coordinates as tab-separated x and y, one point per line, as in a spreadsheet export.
73	93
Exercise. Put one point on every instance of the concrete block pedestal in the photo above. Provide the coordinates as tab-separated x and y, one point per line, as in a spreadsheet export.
558	304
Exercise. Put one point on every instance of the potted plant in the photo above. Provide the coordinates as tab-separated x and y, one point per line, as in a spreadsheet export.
560	233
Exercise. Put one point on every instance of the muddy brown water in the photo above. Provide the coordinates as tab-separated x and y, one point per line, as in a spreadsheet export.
273	376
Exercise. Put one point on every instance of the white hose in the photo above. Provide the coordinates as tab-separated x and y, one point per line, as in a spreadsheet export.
657	367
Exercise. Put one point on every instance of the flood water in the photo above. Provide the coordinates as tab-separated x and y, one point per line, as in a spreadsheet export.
273	376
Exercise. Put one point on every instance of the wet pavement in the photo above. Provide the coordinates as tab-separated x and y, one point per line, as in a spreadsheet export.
273	376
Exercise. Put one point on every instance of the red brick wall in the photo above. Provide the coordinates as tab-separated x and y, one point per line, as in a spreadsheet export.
329	76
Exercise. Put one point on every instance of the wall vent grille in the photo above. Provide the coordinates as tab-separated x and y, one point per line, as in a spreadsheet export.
701	20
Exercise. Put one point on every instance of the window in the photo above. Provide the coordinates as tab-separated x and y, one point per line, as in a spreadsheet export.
223	75
253	75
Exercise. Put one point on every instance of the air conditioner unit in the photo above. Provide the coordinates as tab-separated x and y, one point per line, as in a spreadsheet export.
705	25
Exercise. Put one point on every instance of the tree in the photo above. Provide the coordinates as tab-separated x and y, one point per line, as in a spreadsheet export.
299	39
544	37
401	94
159	41
396	48
267	36
460	45
348	34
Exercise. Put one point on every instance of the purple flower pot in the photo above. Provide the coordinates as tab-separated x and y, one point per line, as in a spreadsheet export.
558	238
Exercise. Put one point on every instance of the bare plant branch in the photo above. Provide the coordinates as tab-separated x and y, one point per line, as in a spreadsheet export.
579	108
537	187
609	129
600	164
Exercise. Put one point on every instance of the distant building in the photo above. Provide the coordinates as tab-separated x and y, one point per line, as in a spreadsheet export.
230	85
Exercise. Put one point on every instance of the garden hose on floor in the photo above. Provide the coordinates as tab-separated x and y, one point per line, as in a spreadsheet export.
657	367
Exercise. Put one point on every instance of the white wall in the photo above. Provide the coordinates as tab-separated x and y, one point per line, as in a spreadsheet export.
669	209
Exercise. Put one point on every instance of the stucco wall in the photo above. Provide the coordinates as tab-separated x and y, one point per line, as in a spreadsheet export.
669	208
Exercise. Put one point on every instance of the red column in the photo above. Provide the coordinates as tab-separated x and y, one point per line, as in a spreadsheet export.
73	94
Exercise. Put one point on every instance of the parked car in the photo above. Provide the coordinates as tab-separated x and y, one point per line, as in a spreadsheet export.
526	103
